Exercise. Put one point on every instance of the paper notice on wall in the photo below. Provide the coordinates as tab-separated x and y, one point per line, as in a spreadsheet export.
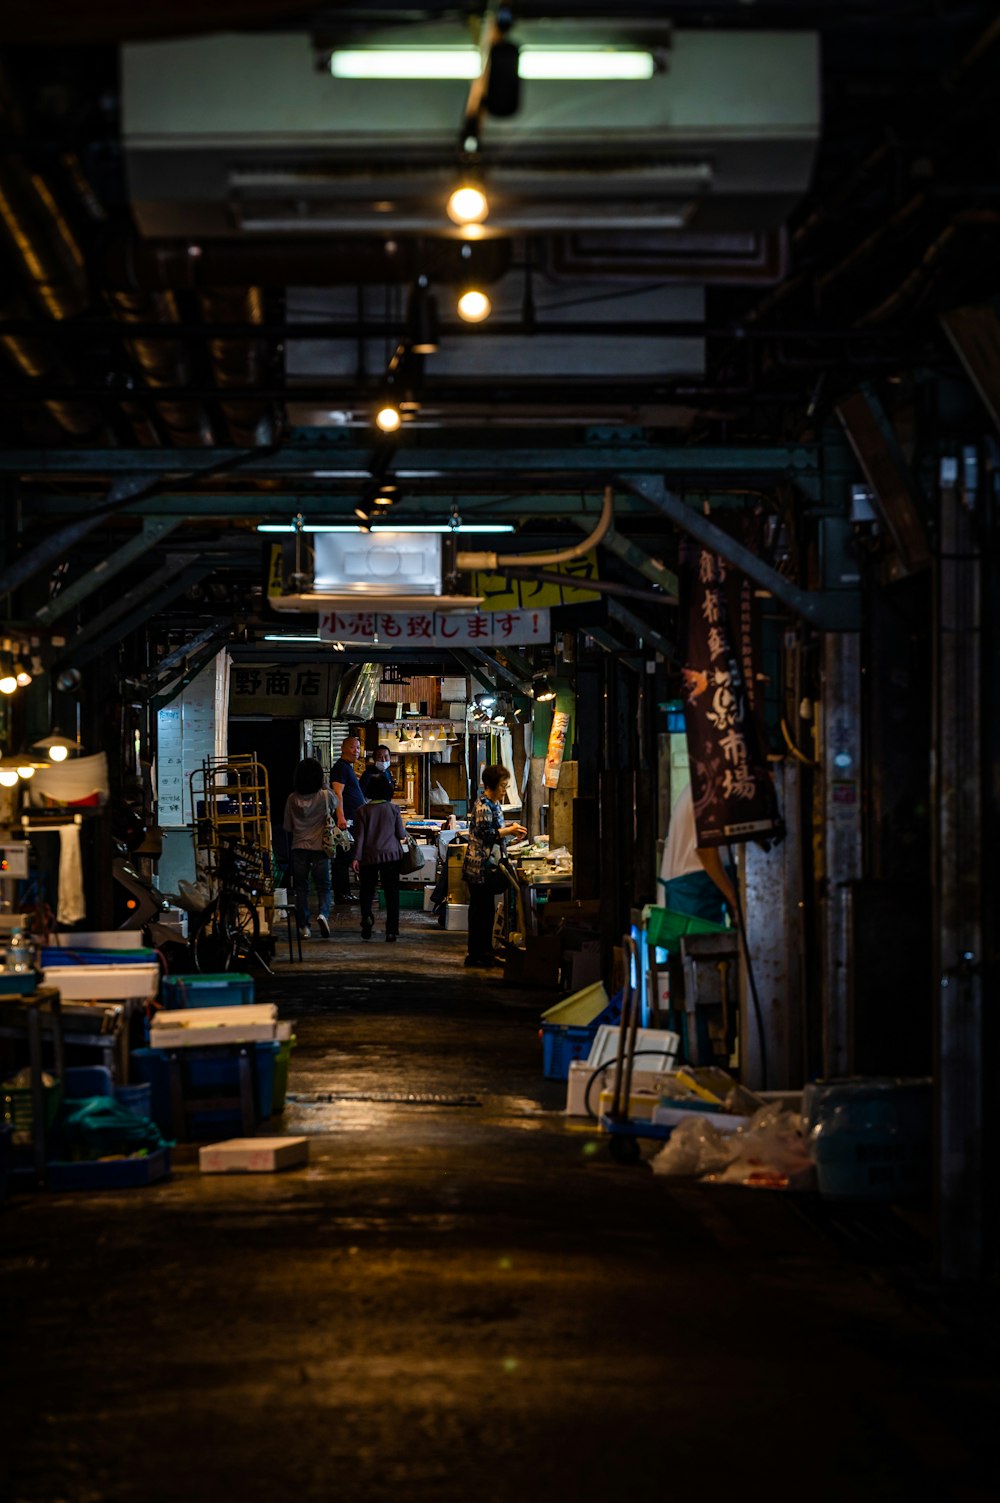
190	731
557	745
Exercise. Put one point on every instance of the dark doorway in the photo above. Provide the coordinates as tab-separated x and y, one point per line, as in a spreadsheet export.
276	744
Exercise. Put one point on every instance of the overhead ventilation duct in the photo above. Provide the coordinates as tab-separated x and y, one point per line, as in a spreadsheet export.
260	142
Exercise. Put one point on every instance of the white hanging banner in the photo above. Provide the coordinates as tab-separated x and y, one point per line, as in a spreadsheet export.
435	628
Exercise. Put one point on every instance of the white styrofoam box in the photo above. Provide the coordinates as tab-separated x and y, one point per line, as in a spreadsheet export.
103	983
672	1116
428	905
656	1040
253	1155
454	686
194	1027
650	1082
98	939
456	916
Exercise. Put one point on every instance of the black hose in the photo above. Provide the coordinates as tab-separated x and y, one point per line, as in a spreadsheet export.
751	978
610	1065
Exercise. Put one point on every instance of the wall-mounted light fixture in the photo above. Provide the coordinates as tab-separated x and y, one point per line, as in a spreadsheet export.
422	319
542	691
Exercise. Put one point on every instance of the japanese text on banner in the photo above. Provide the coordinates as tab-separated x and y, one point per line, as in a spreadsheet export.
435	628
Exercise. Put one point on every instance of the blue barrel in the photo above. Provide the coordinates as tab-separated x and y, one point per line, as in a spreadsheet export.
870	1137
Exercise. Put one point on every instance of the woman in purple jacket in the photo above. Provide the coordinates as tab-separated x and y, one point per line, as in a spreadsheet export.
378	836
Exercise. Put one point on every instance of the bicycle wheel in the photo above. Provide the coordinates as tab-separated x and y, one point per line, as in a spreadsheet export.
241	928
209	944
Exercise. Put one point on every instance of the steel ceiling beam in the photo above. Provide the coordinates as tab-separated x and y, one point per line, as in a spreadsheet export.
588	464
178	575
643	630
196	663
512	680
154	530
631	554
827	610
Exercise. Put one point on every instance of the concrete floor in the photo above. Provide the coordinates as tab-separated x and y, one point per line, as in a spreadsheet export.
460	1302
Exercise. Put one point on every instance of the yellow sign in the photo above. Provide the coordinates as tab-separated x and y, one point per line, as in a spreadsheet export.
502	594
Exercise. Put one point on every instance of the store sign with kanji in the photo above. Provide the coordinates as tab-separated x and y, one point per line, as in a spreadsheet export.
276	689
436	629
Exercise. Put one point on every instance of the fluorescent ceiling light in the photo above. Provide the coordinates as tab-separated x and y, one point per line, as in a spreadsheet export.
552	63
585	63
281	636
308	527
388	527
405	527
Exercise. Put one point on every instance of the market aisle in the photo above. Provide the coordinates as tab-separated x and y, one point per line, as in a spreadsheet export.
459	1299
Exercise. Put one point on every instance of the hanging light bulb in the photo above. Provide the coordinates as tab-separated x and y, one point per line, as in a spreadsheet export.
388	417
8	683
21	675
474	306
25	770
56	746
8	777
468	204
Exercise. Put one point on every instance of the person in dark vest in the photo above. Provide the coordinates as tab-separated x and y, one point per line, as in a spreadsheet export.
378	834
344	782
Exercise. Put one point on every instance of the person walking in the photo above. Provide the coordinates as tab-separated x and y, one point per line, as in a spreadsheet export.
487	839
345	785
308	808
378	833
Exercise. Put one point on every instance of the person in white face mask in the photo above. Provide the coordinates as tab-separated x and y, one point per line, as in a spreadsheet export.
382	768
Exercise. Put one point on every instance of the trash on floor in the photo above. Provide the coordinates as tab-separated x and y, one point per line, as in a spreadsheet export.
253	1155
769	1151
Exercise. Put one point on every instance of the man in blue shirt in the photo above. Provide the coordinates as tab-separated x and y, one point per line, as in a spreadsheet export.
344	782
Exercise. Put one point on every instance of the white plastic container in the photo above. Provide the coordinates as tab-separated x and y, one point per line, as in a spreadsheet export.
456	917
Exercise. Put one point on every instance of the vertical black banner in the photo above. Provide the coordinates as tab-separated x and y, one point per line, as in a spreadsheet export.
734	797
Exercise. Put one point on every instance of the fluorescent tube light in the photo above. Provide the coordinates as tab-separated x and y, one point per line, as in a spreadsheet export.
281	636
596	63
309	527
388	527
550	63
441	527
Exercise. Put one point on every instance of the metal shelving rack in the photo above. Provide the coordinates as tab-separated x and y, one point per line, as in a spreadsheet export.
234	798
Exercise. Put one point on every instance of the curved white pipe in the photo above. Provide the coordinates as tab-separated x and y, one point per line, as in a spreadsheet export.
489	562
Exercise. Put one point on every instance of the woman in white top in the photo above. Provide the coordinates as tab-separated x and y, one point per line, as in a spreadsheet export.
307	813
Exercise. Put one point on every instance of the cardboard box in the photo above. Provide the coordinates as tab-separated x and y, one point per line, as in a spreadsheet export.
537	964
253	1155
577	911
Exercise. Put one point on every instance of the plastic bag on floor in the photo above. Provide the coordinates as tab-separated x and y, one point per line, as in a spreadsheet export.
694	1148
770	1151
96	1127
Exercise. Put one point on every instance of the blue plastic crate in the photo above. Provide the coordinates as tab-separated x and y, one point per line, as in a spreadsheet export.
80	1081
136	1098
109	1174
561	1045
229	989
206	1075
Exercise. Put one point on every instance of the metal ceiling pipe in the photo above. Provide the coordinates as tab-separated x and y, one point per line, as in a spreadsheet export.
240	363
43	247
164	362
42	241
34	359
370	260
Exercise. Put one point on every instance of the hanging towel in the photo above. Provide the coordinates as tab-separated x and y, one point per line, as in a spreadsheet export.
71	907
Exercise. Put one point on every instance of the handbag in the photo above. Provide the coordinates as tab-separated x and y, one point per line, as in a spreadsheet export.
496	874
335	839
412	859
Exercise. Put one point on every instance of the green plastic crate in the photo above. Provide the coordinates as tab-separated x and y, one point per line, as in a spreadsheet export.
664	927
